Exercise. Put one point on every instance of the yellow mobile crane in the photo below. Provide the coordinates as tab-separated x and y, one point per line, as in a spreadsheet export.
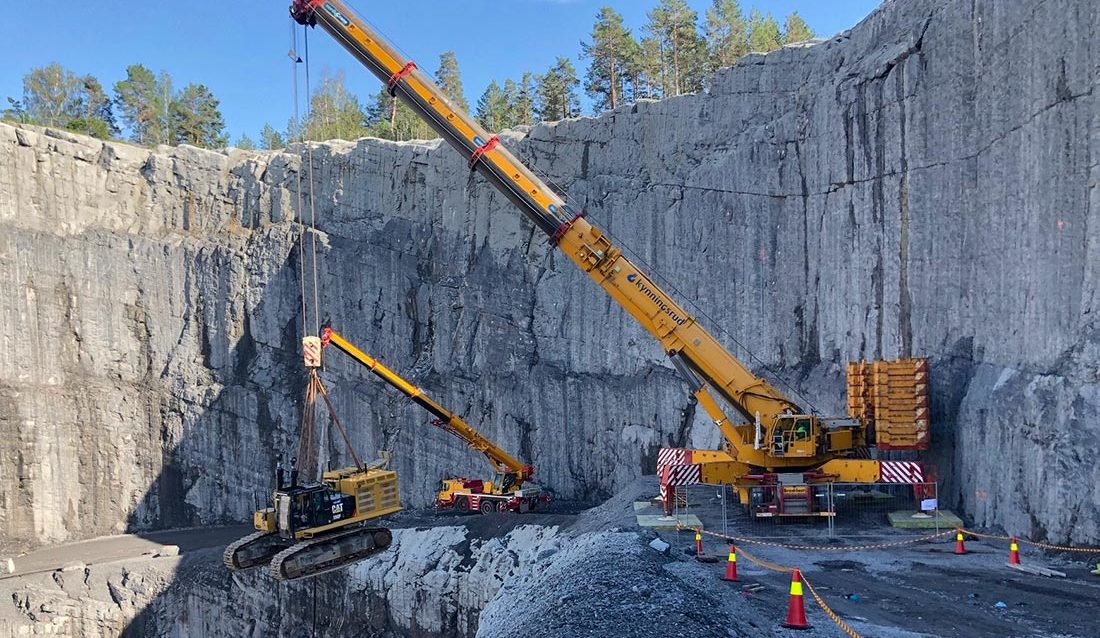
773	438
510	493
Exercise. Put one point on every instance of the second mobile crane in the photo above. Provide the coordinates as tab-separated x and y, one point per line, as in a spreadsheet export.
511	492
773	437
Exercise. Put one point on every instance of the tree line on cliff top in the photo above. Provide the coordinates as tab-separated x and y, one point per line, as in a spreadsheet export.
150	108
675	53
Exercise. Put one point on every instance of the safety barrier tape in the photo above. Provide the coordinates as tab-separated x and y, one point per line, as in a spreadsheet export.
829	612
1058	548
909	541
775	567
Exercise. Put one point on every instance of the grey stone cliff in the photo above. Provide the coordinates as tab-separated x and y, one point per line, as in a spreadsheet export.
926	184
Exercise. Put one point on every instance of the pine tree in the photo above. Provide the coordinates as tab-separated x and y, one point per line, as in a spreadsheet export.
245	143
557	92
16	111
270	139
647	70
511	100
612	52
334	113
764	33
796	29
196	118
391	119
143	100
523	110
492	108
683	51
98	114
449	78
727	33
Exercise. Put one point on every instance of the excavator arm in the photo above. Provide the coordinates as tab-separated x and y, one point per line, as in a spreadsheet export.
693	350
502	462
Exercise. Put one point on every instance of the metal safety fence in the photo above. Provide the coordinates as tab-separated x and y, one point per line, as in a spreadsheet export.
827	510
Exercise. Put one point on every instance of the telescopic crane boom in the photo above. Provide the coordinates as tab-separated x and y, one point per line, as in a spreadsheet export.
773	434
503	462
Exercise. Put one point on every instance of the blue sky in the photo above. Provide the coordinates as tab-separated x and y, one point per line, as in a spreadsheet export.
238	48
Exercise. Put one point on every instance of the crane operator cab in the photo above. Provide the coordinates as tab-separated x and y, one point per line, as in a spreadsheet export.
794	436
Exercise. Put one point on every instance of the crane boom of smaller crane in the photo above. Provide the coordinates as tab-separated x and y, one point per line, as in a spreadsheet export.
502	461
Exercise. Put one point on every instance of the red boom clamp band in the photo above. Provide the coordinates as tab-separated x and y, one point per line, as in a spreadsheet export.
326	336
302	11
482	150
564	228
391	86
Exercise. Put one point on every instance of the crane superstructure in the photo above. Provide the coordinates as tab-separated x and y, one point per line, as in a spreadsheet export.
774	436
507	493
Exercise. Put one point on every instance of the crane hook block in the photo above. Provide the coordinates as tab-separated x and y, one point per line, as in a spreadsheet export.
311	351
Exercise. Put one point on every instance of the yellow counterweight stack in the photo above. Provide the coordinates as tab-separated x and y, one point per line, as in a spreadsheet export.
893	397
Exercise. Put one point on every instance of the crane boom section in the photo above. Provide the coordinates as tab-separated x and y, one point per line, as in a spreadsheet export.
585	244
501	460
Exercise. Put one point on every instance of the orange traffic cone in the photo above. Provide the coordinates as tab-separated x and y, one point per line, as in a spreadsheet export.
960	547
1013	552
731	565
698	543
796	608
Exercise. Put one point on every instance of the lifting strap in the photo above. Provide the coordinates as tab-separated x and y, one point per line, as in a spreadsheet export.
307	442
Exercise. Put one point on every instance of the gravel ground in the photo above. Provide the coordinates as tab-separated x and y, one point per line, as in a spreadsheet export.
610	583
603	579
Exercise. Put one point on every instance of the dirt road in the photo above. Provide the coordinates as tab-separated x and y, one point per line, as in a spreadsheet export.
115	548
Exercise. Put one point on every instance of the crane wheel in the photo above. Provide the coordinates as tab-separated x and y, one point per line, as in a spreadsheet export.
486	507
502	506
462	503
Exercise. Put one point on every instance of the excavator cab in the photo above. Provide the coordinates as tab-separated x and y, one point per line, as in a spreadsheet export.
305	507
794	436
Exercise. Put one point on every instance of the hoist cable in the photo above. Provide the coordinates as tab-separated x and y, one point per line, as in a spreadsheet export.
312	199
298	211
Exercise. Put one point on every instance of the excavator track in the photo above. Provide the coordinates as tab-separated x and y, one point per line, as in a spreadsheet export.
253	550
329	553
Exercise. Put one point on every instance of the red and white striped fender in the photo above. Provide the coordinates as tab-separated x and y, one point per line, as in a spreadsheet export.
681	475
672	456
907	472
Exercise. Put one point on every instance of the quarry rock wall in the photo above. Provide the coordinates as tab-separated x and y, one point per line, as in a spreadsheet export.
926	184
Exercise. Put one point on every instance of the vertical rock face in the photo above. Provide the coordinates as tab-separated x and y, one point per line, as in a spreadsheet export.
926	184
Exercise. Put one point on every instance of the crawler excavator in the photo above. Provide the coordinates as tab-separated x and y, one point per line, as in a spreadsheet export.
772	440
511	492
314	528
